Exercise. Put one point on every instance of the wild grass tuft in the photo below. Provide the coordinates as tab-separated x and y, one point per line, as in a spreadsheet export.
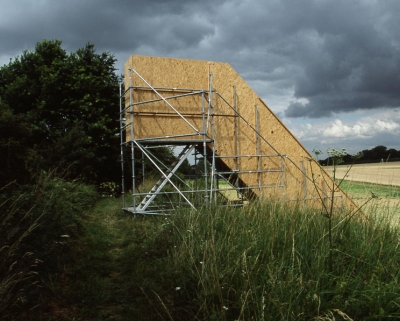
36	223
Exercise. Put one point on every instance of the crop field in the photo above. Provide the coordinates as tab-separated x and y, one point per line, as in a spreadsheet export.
381	180
377	173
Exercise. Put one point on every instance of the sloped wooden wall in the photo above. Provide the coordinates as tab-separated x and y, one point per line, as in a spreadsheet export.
158	119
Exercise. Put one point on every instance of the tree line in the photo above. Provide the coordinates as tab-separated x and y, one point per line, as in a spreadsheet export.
374	155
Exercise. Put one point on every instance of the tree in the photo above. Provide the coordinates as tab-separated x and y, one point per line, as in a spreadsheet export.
69	105
14	151
393	153
379	152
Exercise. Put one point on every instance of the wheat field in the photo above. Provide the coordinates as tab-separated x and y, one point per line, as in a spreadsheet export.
377	173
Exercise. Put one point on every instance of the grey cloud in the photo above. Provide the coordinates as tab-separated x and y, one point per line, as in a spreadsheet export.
326	105
118	25
339	55
353	68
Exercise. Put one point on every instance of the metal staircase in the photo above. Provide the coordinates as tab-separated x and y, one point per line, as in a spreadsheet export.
165	178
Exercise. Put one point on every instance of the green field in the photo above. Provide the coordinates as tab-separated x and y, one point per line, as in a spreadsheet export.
386	198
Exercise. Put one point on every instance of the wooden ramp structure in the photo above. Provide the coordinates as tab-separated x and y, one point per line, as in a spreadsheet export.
240	151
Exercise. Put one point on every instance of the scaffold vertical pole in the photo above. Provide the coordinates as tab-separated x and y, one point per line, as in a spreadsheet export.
213	169
258	148
132	138
205	173
121	126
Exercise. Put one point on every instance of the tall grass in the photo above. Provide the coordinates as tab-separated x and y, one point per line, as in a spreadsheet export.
36	222
270	262
265	261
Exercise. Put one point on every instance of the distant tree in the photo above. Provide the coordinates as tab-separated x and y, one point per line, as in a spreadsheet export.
186	168
393	153
68	103
199	167
366	154
375	154
379	152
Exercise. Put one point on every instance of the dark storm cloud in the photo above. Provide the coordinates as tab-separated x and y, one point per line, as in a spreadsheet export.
332	56
120	27
339	56
354	63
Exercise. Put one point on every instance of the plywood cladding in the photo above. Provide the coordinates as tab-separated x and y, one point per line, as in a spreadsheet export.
251	140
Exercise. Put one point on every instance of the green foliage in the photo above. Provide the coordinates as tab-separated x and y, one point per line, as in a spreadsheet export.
362	189
163	157
67	108
36	223
108	189
336	156
14	148
199	167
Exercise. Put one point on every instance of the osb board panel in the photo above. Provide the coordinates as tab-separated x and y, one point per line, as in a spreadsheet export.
169	72
156	119
194	74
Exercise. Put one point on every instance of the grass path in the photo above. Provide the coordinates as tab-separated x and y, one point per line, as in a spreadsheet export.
108	274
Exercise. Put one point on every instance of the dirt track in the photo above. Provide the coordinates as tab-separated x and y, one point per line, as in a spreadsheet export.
379	173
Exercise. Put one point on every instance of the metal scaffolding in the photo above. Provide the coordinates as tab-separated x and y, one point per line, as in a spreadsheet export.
160	187
164	188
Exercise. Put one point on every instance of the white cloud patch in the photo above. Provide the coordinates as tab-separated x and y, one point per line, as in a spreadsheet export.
382	125
364	128
338	129
368	131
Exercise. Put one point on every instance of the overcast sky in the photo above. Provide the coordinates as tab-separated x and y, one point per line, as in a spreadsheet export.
330	69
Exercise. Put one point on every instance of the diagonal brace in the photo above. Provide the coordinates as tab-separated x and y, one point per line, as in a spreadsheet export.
161	183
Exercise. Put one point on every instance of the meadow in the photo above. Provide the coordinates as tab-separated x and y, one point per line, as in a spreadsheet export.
266	261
